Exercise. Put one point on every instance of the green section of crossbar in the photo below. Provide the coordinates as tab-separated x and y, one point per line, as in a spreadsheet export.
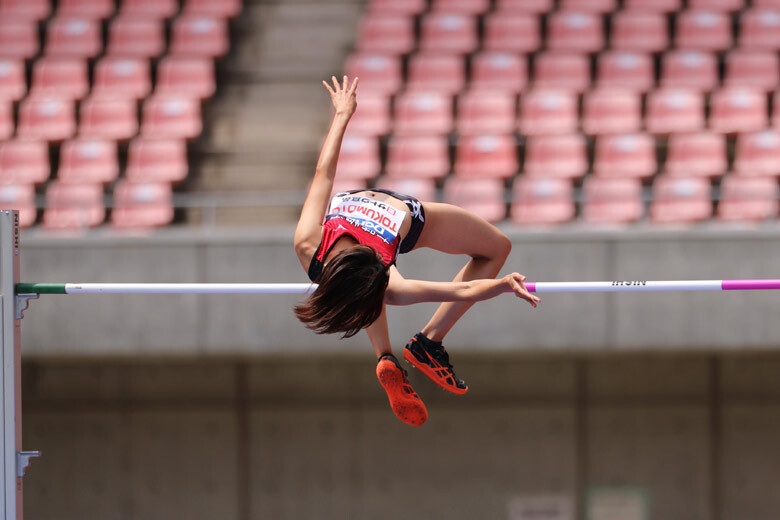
40	288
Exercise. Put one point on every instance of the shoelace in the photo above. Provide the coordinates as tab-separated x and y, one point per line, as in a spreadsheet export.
442	356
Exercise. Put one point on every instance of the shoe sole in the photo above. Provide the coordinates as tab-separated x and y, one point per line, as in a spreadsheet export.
428	371
410	410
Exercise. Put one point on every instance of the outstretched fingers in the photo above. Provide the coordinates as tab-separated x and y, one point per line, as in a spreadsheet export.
353	88
520	290
328	88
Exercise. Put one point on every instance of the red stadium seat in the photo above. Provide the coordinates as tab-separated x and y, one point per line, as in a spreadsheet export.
131	37
378	73
524	6
122	77
199	36
612	201
171	117
639	31
156	160
468	7
359	158
747	199
213	8
766	3
590	6
758	154
93	9
738	109
483	197
421	189
694	70
386	34
544	111
75	37
20	197
372	117
18	38
700	154
562	71
437	73
653	6
703	30
13	82
499	72
395	7
31	10
423	113
623	69
348	184
6	120
541	201
610	111
148	9
67	78
674	110
108	118
556	156
486	112
759	28
627	156
142	205
680	200
486	156
85	161
73	206
418	157
717	5
575	31
446	32
189	77
518	33
47	119
753	69
776	112
24	161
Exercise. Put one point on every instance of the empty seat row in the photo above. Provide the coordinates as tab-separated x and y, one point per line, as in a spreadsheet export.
500	71
36	10
575	31
130	37
547	111
93	160
114	77
674	200
78	206
702	154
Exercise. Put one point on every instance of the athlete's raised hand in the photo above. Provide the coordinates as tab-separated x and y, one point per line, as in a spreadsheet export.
343	95
517	282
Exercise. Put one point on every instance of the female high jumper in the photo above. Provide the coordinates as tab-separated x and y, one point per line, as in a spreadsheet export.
351	254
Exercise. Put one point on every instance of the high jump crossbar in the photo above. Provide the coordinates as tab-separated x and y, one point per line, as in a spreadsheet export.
304	288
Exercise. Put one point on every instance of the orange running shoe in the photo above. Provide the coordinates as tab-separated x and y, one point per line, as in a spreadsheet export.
432	359
404	401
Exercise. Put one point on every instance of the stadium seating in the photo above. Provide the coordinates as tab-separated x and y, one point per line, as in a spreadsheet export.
108	118
575	31
468	7
481	112
556	156
524	6
199	36
359	158
610	111
171	117
737	109
24	162
421	189
423	113
703	30
486	156
680	200
373	118
212	8
590	6
445	73
88	161
654	6
418	157
139	205
696	154
542	201
518	33
546	111
378	73
484	197
66	78
30	10
18	38
93	9
758	154
386	34
747	198
46	118
20	197
688	69
759	28
122	78
396	7
149	9
189	77
131	37
73	206
13	83
499	72
562	71
639	31
448	33
674	111
625	69
625	155
74	37
156	160
6	120
612	201
752	69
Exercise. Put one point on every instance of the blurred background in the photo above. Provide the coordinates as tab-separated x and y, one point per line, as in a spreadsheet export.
173	141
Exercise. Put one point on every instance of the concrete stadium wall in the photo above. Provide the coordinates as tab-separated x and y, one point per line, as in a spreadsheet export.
84	325
291	438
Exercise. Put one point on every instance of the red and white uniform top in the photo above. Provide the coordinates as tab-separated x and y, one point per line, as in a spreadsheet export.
368	221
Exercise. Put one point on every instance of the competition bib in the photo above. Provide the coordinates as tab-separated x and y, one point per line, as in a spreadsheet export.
375	217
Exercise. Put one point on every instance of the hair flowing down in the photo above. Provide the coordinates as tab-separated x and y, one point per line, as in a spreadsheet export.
350	295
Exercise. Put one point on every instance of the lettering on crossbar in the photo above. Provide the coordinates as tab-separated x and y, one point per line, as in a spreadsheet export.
629	283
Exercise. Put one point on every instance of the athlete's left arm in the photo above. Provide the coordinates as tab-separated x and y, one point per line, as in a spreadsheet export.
401	291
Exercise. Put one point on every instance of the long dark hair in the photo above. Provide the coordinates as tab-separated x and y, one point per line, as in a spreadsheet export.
350	294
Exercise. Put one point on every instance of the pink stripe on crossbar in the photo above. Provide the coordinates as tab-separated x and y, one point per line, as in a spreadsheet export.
531	286
748	285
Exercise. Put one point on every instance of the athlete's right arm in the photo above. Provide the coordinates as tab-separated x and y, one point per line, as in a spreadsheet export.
309	230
